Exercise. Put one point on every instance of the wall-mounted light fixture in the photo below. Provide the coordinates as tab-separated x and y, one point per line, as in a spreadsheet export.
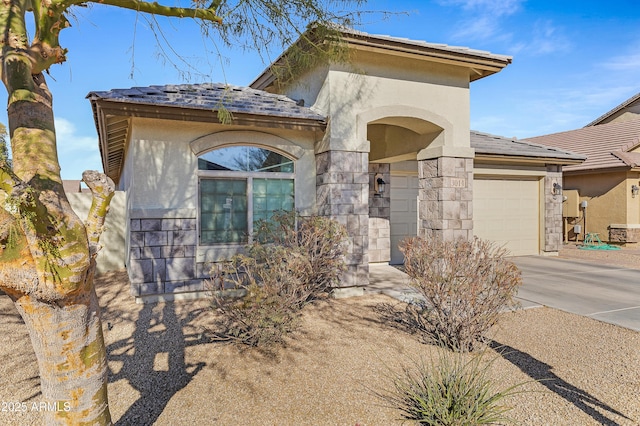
556	190
634	190
378	185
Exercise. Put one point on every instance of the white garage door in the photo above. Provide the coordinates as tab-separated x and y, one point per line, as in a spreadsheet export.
404	212
507	211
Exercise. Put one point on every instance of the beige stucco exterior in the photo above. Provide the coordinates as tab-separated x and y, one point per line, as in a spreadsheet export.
398	110
387	107
609	202
160	177
428	101
163	176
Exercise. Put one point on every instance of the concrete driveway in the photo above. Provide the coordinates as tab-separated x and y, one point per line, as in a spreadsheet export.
606	293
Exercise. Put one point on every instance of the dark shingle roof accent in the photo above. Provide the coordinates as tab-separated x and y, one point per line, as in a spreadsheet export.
113	110
485	143
210	96
599	143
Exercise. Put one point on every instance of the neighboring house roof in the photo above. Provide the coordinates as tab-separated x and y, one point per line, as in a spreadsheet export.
490	146
628	103
606	145
113	110
480	63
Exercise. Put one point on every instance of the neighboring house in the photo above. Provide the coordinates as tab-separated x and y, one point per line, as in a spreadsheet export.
195	185
627	110
602	193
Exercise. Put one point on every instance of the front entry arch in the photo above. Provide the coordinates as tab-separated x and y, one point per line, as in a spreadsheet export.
395	142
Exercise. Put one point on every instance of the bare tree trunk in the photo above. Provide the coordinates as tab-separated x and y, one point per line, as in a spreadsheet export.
47	256
71	355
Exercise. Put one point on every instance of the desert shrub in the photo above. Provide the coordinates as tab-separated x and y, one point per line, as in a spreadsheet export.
465	284
455	390
320	239
259	295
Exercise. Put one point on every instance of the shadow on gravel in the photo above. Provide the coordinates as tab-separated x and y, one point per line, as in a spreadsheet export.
542	373
153	361
18	355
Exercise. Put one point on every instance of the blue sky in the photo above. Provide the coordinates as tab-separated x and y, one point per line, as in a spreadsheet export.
572	62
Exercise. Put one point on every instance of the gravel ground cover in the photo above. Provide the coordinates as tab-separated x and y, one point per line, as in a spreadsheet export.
629	257
164	370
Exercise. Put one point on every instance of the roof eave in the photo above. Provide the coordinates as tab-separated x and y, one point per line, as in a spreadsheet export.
596	170
480	66
114	148
178	113
111	167
511	159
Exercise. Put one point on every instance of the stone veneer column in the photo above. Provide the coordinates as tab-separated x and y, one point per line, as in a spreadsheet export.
162	256
342	191
552	210
446	198
379	215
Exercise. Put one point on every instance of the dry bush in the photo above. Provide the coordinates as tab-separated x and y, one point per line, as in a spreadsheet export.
320	239
265	296
466	284
259	296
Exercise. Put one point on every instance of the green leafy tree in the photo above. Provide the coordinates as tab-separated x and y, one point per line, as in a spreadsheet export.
47	253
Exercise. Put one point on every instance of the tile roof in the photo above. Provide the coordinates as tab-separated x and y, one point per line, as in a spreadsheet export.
605	145
480	63
613	111
432	46
209	96
485	143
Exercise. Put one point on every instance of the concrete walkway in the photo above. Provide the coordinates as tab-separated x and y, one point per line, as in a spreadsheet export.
606	293
389	280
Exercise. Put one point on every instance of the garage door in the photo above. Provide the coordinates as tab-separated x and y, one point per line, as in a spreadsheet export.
507	211
404	212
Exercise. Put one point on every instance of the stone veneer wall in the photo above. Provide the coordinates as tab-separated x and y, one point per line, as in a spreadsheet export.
342	192
162	256
379	215
624	234
552	210
446	198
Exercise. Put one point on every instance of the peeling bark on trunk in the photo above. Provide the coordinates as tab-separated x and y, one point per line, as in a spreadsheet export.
47	256
70	349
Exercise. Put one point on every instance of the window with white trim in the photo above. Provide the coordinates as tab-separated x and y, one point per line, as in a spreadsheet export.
239	186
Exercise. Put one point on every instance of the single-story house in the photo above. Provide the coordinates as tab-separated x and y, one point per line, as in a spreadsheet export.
195	184
602	193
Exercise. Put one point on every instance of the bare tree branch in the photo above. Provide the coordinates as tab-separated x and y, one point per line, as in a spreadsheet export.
154	8
102	188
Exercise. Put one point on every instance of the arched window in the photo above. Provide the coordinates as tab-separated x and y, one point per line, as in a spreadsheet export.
239	186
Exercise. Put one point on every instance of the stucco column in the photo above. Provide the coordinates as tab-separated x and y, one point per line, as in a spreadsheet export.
552	211
445	198
342	188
